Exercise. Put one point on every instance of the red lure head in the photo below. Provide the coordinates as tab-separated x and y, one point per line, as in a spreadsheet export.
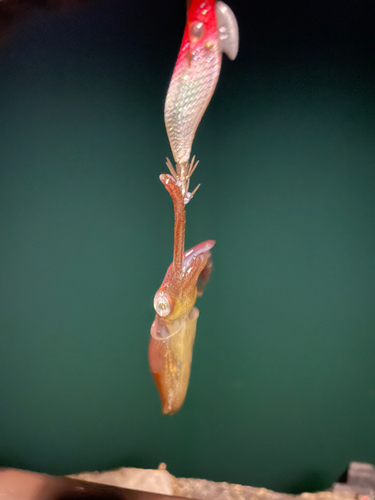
201	25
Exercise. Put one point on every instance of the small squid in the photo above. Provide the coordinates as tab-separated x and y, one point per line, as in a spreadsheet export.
211	29
173	330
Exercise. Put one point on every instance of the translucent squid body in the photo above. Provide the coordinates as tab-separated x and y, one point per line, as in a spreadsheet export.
211	29
173	330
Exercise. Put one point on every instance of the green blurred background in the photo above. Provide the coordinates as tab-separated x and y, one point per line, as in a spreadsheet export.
282	391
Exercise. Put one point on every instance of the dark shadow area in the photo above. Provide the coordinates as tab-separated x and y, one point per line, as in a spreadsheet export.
310	482
14	12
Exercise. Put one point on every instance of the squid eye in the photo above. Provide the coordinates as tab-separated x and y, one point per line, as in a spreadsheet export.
162	304
196	30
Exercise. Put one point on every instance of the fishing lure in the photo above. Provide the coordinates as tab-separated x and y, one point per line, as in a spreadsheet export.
211	29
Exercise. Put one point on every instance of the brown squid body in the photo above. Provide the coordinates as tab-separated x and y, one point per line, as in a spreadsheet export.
173	330
170	361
